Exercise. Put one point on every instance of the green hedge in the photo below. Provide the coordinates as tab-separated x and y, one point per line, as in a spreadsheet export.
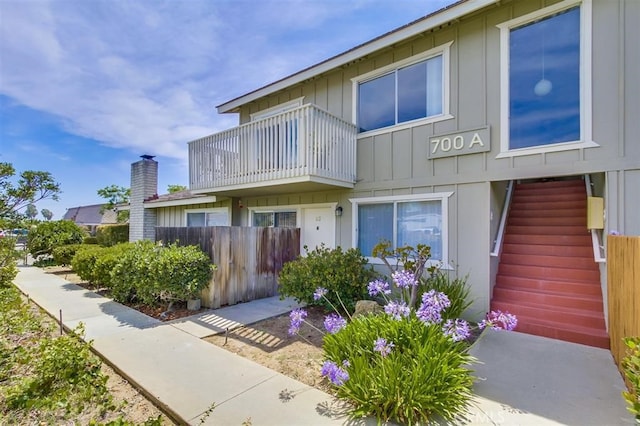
110	235
62	255
43	238
8	257
145	272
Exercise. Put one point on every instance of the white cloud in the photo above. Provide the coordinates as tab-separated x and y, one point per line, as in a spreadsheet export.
146	76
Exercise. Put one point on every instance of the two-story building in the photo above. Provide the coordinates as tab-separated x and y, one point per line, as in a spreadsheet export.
482	129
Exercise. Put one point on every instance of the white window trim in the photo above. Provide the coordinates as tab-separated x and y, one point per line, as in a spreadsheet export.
441	196
297	208
278	109
445	51
585	80
207	210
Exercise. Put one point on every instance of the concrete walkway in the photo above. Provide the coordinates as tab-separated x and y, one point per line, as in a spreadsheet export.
523	380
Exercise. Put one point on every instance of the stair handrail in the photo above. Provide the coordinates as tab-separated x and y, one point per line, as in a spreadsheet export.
497	243
598	247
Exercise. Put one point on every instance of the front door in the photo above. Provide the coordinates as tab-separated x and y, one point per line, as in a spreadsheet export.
318	226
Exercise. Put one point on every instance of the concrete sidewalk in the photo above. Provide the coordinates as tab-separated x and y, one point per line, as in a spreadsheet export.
522	379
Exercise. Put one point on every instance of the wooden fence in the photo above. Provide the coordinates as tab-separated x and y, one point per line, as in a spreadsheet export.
248	259
623	284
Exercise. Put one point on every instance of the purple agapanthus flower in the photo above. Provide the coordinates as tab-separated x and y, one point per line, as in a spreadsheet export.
436	299
334	323
378	287
381	345
297	317
319	293
429	314
397	310
457	329
334	373
404	279
499	320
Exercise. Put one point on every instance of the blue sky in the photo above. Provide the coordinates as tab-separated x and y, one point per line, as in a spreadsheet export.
86	87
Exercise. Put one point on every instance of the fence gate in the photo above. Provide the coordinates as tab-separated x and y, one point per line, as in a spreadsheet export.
248	259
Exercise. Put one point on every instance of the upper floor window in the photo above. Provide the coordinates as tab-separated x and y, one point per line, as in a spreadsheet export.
406	91
544	78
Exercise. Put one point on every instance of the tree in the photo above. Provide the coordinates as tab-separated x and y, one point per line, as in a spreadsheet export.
42	239
46	213
31	211
176	188
115	195
31	187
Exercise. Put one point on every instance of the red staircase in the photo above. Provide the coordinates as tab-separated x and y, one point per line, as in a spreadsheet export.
547	275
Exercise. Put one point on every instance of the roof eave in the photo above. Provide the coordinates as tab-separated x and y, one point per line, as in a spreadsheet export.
434	20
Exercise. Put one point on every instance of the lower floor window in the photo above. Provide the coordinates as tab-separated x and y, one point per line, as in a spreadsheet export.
402	221
275	219
208	218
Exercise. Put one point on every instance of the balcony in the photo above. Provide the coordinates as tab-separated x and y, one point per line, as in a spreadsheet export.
303	149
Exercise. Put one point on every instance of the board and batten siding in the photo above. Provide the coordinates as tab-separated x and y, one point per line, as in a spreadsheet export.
175	216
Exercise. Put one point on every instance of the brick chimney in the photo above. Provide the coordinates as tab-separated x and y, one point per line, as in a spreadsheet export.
144	185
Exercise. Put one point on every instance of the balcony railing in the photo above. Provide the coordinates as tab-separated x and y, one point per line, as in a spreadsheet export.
303	144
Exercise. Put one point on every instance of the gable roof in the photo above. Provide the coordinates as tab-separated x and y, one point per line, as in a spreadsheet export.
90	215
180	198
433	20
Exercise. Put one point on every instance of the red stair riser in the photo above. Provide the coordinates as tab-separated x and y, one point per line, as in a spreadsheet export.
571	240
550	250
561	274
548	230
550	261
548	286
558	222
566	335
548	299
550	196
548	213
567	318
548	205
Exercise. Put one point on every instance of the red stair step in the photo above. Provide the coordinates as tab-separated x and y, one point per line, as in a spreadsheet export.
573	212
548	230
561	274
550	261
551	250
566	316
542	285
548	221
560	240
583	336
549	205
589	303
554	195
551	184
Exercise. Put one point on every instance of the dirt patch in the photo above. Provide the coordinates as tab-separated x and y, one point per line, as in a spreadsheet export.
268	343
177	311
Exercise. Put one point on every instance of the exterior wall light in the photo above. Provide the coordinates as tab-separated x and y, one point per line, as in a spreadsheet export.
339	211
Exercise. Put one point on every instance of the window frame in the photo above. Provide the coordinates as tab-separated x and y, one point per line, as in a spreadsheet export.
505	28
205	211
443	197
445	51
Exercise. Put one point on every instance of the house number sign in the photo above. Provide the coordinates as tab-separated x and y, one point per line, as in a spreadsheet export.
460	143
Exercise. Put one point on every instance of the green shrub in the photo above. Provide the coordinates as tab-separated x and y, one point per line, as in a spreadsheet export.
48	235
423	376
631	368
343	273
84	261
90	240
8	257
64	374
110	235
106	261
62	255
181	272
457	290
132	277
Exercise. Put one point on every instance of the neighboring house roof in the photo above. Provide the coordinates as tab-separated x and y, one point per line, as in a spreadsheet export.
433	20
180	198
90	215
